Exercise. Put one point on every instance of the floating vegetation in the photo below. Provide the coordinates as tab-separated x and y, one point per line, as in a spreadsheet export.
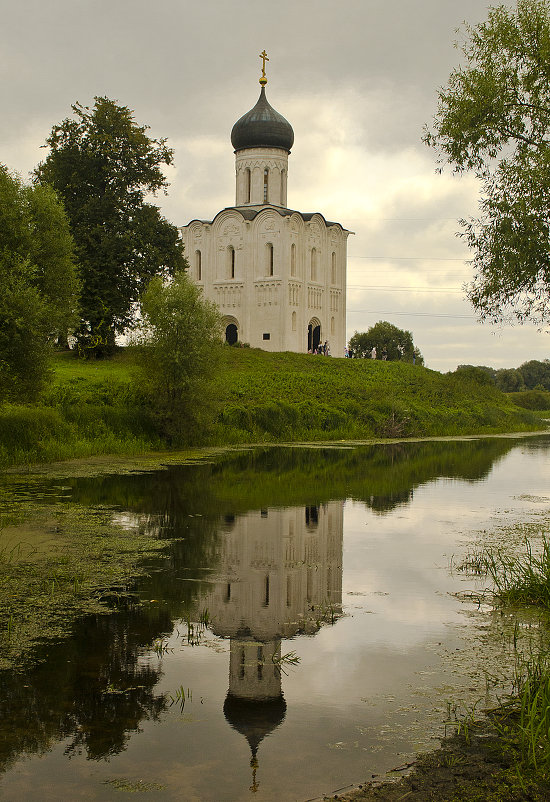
134	786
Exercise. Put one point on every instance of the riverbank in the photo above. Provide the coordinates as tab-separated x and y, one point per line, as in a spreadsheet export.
479	768
94	407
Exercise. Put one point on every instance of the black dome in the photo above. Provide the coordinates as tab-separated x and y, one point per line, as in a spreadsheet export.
262	127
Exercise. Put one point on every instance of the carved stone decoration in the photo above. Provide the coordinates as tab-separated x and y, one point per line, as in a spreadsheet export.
231	228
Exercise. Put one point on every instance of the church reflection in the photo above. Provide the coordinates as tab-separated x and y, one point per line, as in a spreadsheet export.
279	576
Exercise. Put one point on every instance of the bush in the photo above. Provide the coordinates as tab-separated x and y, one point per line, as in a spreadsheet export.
532	399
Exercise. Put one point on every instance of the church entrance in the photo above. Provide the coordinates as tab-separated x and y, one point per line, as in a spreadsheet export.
313	335
231	334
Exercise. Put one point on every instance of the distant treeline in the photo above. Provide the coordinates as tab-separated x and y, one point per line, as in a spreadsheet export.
532	375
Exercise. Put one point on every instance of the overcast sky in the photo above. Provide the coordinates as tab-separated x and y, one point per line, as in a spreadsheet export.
357	79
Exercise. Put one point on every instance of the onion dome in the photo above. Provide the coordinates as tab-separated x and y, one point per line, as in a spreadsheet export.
262	127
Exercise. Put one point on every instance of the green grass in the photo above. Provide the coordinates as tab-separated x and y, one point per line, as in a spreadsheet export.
92	407
282	396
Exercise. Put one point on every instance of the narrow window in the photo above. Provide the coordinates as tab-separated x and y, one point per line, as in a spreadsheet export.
270	260
241	668
288	591
333	276
228	592
248	184
231	262
309	585
282	186
332	325
313	264
266	184
293	259
266	595
260	661
294	321
198	265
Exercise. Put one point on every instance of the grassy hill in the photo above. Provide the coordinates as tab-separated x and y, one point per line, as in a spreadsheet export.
298	396
93	407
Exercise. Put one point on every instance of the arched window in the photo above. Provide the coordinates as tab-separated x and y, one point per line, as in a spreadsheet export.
231	261
266	184
332	325
313	264
283	175
333	269
270	262
248	179
294	321
198	265
293	259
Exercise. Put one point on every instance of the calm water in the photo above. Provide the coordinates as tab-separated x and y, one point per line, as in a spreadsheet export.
302	634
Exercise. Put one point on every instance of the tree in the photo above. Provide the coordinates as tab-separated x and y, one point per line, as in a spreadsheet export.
509	380
38	283
493	119
103	165
385	341
536	374
176	355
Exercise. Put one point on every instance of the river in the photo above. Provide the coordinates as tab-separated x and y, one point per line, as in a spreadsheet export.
308	627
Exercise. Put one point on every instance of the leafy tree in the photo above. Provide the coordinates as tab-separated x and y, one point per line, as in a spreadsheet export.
103	165
536	374
493	119
476	373
176	355
509	380
385	341
38	283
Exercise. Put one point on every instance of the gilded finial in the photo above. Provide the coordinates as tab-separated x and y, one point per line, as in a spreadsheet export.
263	56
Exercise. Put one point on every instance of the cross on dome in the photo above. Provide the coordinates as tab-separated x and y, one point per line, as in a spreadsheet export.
263	56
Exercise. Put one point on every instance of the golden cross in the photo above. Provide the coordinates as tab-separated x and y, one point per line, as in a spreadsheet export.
263	56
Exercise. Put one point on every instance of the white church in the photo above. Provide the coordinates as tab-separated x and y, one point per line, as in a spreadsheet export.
277	275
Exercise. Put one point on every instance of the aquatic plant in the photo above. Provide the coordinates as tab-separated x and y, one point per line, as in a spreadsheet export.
523	579
283	660
181	695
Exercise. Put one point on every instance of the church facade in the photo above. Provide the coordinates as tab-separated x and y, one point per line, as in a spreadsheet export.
277	275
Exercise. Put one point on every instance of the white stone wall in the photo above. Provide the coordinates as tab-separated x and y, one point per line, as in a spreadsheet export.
253	186
279	295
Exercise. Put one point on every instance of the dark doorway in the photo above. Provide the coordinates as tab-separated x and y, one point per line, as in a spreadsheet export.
231	334
313	337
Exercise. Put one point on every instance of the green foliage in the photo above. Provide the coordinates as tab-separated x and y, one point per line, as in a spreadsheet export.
257	396
177	355
532	375
532	399
38	284
103	165
536	374
479	374
385	341
296	397
509	380
494	119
